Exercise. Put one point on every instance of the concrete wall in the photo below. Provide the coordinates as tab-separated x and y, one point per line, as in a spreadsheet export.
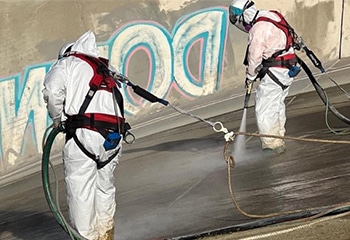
153	42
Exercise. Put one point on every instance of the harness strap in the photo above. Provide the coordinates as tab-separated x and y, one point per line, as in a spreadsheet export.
93	156
90	94
283	25
286	61
275	79
96	121
119	98
102	123
245	60
101	80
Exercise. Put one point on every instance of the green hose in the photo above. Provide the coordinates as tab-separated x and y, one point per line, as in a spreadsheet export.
54	207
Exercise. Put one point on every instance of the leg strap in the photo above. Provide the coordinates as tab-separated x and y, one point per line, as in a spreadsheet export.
275	79
91	155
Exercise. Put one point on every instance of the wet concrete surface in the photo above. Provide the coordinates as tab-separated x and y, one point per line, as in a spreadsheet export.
174	184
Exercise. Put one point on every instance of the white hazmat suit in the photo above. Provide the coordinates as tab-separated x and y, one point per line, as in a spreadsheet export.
266	39
90	191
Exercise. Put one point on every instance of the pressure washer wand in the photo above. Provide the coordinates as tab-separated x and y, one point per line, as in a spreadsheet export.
247	94
137	89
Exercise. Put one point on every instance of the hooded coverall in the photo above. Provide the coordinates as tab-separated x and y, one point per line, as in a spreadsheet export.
265	39
90	191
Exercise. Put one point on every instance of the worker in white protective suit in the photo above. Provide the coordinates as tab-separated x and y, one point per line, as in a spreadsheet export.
270	57
79	90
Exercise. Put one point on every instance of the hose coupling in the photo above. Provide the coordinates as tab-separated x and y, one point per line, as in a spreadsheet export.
230	136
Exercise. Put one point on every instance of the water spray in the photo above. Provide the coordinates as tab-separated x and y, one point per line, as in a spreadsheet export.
239	146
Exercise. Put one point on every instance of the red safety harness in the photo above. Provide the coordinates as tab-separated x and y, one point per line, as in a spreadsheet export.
275	60
285	61
101	80
283	25
102	123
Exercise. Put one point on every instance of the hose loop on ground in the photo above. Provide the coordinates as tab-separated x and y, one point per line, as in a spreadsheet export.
229	159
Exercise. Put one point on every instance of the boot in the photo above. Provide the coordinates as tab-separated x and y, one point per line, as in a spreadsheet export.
109	235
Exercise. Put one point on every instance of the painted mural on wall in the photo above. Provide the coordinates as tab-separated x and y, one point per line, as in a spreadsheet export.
23	113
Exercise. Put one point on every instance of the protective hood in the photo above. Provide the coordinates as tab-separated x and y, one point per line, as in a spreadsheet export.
249	15
86	44
242	14
65	49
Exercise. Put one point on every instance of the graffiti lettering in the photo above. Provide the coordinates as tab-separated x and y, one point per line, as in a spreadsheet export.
171	57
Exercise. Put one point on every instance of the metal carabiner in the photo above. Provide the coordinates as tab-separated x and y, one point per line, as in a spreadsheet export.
129	138
219	127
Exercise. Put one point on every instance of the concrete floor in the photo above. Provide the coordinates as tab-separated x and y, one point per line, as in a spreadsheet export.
174	184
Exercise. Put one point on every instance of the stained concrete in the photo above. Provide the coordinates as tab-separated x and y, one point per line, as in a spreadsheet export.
173	184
